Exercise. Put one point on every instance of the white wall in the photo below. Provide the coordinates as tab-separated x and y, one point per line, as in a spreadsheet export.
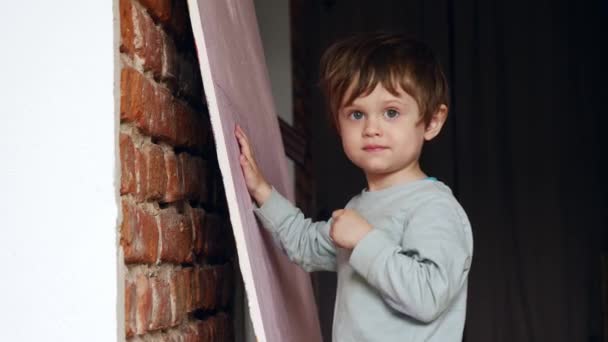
58	205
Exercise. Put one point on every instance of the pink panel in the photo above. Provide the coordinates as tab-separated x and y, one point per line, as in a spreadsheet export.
238	91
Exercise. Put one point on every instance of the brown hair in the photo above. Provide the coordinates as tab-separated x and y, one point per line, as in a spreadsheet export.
394	60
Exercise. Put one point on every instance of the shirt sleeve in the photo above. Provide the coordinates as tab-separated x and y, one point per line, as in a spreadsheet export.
306	243
423	273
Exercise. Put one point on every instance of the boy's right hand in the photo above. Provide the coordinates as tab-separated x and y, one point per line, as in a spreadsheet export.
258	188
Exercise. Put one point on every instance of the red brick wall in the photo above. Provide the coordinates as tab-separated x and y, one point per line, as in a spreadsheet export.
176	239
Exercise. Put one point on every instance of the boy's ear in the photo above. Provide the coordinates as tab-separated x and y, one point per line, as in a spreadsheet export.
436	123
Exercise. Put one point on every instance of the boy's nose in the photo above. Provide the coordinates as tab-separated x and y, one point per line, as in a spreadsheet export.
371	128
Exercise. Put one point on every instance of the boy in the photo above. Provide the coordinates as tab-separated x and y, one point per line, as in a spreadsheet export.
403	246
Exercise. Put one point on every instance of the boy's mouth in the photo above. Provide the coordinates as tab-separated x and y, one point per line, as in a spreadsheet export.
374	148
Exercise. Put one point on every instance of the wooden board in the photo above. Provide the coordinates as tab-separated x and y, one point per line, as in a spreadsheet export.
237	88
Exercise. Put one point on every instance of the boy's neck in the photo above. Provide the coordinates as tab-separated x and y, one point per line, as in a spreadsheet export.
382	181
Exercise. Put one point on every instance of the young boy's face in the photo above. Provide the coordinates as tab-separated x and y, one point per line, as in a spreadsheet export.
383	134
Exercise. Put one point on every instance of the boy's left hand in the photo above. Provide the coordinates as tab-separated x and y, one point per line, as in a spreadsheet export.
348	228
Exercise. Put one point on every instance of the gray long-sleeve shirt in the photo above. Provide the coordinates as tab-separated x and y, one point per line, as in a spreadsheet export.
406	280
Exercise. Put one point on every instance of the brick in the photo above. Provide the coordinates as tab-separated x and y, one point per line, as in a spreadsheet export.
166	119
148	110
144	303
170	62
205	288
127	35
196	289
161	300
180	295
194	327
153	50
157	175
130	309
204	330
222	325
221	274
209	288
159	115
139	104
187	274
173	336
197	216
162	125
191	125
174	190
189	334
131	85
147	41
139	234
176	235
159	9
141	175
211	328
154	337
140	37
157	337
150	172
127	165
183	120
175	122
193	173
125	85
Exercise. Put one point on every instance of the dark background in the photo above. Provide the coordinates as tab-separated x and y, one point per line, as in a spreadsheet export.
524	150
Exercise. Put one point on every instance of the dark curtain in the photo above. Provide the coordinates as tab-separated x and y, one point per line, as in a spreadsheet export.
524	149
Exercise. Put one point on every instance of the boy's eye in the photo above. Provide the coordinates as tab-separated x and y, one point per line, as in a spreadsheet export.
356	115
391	114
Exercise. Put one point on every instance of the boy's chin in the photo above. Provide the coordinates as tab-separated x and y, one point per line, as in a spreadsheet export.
376	170
379	170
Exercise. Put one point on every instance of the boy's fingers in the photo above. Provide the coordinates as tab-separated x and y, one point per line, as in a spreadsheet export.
248	169
244	145
243	141
248	163
243	159
242	134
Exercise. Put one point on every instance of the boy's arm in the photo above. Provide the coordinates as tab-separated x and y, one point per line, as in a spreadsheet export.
306	243
421	276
